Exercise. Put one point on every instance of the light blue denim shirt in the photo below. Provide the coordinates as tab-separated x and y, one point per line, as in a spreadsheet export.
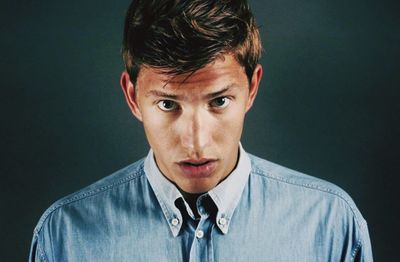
260	212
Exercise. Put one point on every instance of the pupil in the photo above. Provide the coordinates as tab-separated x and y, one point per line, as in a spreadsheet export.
167	104
221	101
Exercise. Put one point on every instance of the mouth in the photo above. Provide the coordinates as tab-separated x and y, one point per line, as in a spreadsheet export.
198	168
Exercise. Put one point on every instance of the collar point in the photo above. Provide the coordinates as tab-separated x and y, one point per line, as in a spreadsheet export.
224	230
175	232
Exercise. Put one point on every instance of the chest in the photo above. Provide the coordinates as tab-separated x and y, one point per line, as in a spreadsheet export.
249	238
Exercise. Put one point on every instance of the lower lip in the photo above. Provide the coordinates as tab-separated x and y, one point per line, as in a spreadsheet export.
204	170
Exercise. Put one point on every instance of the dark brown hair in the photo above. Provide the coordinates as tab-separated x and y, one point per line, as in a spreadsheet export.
182	36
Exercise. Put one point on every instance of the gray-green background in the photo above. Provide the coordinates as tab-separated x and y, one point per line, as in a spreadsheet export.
328	104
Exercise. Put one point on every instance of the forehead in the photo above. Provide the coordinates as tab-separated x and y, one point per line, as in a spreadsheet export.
223	71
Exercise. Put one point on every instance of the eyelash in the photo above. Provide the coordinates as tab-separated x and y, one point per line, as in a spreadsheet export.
177	107
228	99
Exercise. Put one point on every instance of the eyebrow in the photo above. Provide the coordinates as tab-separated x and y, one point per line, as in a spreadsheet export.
161	94
178	97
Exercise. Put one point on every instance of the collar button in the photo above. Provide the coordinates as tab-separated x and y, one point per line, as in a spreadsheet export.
222	221
175	221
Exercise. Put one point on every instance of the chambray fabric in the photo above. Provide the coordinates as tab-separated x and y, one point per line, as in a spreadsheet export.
260	212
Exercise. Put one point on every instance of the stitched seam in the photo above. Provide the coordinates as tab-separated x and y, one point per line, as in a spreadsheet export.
51	246
90	193
217	198
42	254
163	206
310	186
354	252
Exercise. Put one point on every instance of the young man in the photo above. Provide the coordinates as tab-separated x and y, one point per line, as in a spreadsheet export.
191	75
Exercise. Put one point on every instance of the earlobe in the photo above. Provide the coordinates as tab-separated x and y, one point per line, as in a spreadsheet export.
130	95
255	83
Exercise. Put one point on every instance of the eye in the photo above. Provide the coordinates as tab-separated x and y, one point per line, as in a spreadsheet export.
220	102
167	105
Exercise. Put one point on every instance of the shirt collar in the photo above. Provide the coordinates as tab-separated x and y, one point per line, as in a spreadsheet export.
166	193
226	195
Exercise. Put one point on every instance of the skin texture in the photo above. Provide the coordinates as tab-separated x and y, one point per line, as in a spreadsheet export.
184	120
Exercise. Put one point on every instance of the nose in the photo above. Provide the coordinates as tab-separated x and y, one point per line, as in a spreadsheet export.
195	132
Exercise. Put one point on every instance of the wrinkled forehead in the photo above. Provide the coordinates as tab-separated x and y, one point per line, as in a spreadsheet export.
216	74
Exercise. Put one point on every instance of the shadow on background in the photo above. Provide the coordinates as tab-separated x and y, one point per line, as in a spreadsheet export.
328	104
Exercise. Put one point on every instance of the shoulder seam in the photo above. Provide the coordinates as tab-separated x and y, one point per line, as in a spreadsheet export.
315	187
86	194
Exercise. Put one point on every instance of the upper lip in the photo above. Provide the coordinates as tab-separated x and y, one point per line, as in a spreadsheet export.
198	162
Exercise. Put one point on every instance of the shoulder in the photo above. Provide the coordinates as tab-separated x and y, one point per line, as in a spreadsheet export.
309	188
311	203
97	191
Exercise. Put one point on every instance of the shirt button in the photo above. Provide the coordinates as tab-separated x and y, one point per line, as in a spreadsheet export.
222	221
175	221
199	234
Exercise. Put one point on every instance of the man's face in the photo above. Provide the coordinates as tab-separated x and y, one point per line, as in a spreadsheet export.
194	124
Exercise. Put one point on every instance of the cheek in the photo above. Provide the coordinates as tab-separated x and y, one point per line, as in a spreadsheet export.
158	129
230	126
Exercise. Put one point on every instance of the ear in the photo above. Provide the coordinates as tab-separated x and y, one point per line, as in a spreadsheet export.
254	84
130	95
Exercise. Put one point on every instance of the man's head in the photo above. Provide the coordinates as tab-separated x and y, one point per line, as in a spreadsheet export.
191	74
